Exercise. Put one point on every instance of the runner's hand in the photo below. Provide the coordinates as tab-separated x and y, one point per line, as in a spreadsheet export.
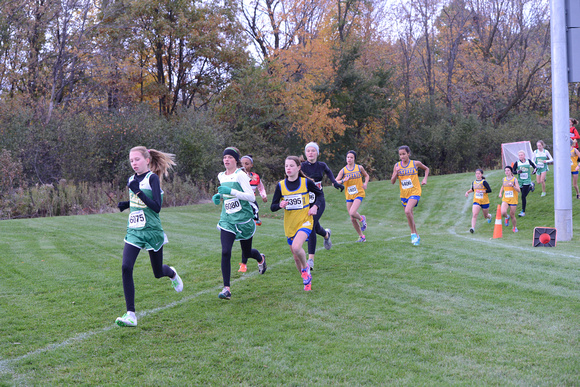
224	190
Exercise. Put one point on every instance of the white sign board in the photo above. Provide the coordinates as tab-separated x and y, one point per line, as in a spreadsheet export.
509	152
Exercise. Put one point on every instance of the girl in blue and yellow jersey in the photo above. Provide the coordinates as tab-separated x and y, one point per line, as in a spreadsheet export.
352	177
144	231
407	172
293	195
510	189
480	198
574	155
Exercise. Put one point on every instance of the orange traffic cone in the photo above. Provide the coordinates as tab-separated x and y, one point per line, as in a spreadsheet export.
497	229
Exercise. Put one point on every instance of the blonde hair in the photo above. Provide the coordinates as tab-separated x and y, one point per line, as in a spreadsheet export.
160	163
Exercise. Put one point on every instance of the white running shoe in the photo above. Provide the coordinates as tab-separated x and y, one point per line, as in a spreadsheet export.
176	282
128	320
327	242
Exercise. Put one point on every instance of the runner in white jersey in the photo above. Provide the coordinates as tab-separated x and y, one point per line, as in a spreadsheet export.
237	218
542	158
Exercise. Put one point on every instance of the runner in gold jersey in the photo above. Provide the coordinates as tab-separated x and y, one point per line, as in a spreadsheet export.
406	172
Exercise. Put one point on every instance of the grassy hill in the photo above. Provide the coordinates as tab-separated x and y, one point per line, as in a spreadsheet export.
460	308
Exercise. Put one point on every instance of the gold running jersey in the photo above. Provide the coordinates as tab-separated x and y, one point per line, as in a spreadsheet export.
480	192
354	185
296	212
409	184
573	160
510	195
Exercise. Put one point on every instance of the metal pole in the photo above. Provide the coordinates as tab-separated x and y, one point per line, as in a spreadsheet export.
560	117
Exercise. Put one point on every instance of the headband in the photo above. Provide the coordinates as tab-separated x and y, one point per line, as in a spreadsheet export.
313	145
249	158
232	152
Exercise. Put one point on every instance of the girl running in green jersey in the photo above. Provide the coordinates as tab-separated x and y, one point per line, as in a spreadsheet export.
144	229
524	168
542	158
237	218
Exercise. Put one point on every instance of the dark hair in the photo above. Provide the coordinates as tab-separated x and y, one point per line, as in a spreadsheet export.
480	170
510	168
353	153
574	121
405	148
249	157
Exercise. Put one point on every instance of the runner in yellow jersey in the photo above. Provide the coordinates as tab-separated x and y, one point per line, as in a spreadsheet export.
352	177
481	189
574	155
510	189
293	195
407	172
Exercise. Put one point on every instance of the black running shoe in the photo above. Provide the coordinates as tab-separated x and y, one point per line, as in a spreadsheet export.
262	267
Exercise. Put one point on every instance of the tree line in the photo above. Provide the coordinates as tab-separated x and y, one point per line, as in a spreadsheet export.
81	82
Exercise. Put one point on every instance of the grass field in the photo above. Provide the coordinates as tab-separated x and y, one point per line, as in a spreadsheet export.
460	308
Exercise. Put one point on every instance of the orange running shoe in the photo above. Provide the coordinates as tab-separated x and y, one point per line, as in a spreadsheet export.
306	279
243	268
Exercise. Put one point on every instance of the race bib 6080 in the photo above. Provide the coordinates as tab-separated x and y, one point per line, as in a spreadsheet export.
232	205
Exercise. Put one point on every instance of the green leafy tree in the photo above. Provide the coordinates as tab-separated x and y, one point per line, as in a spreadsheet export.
182	52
